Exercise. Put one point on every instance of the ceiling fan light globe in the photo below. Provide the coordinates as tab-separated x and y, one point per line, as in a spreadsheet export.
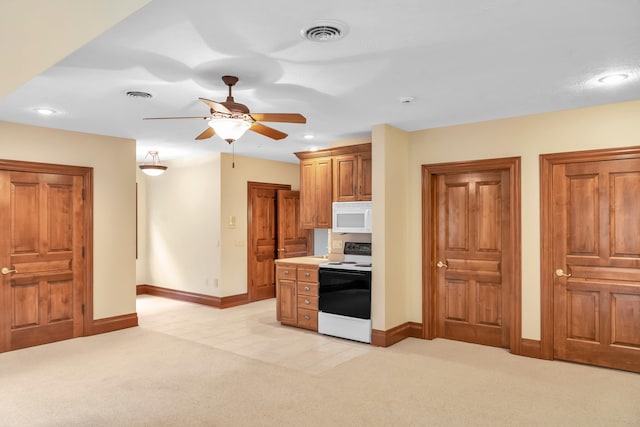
229	129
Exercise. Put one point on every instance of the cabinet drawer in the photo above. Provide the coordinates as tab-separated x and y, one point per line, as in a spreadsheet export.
307	288
286	272
306	301
308	319
308	274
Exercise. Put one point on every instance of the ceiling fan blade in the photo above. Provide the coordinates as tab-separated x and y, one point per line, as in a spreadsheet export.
215	106
279	117
208	133
267	131
173	118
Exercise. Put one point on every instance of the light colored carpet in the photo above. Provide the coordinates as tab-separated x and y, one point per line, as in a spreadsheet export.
142	377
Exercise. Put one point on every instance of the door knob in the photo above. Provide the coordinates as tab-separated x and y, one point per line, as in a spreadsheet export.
560	273
5	271
441	264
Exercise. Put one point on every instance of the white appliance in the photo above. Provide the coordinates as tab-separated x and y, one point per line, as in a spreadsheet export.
344	304
351	217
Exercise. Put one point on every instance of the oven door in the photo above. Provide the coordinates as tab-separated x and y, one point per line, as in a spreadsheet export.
345	292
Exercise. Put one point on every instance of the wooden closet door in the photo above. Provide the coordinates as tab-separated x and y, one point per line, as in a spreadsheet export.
41	223
596	262
472	251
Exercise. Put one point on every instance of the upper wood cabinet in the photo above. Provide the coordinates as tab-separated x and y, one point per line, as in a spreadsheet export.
338	174
315	192
352	177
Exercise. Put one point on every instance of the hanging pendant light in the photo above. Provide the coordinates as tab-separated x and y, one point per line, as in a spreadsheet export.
154	168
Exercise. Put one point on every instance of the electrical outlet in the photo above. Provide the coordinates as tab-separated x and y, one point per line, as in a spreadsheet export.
337	244
215	283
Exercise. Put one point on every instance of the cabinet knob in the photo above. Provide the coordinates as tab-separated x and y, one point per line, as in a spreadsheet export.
306	288
307	301
286	272
307	274
307	317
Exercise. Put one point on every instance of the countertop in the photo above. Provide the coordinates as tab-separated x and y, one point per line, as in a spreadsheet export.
308	260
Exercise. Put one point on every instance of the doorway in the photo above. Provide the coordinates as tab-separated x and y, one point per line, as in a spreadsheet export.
591	257
471	252
45	253
274	232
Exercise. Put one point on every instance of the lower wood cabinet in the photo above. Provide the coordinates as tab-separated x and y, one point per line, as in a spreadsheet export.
297	295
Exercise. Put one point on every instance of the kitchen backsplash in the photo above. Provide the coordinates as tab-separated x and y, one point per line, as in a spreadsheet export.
336	240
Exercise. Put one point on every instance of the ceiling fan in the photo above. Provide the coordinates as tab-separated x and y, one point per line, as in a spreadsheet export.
230	120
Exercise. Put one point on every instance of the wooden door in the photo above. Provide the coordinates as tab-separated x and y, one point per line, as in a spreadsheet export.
595	240
472	252
293	240
42	232
262	236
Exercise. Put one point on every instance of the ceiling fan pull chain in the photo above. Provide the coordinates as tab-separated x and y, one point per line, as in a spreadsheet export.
233	156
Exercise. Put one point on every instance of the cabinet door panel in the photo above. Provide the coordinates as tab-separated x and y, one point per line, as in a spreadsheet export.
307	194
364	176
345	176
323	193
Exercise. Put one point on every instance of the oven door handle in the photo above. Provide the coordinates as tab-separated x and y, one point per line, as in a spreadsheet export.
338	272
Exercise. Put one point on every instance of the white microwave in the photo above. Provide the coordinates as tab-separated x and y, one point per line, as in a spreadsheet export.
351	217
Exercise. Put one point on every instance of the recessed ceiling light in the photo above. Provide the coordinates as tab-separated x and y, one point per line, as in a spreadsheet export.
309	136
45	111
313	148
406	99
613	78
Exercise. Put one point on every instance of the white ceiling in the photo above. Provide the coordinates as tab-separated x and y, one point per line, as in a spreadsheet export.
462	61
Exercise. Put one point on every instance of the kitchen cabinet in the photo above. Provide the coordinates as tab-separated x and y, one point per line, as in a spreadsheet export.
297	295
352	177
315	192
335	174
287	306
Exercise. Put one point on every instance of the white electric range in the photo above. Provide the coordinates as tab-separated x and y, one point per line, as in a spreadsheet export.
344	303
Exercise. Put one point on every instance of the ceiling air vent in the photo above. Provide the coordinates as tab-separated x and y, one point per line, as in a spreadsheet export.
325	31
138	94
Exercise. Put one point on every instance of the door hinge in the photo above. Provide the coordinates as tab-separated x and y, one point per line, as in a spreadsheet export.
83	194
83	309
83	252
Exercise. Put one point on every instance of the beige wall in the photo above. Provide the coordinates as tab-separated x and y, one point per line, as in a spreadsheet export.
614	125
390	228
191	245
234	203
142	269
112	160
36	34
182	226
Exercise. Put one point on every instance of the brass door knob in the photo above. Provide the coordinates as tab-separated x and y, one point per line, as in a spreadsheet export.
560	273
6	271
